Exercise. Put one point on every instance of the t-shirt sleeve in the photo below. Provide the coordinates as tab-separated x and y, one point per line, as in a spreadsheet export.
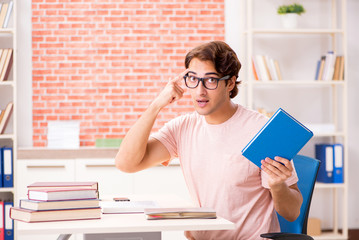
167	136
290	181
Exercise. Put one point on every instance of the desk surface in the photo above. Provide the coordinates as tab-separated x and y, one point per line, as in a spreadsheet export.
133	222
116	223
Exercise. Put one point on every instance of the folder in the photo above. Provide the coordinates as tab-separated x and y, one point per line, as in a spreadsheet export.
7	167
9	223
338	176
325	153
1	167
281	136
1	220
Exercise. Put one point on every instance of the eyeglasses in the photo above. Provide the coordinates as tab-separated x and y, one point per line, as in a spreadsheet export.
210	83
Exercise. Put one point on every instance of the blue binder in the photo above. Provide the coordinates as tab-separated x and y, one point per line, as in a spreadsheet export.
281	136
7	173
1	167
325	153
8	222
338	176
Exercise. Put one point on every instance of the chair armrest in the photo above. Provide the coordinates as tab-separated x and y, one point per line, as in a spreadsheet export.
286	236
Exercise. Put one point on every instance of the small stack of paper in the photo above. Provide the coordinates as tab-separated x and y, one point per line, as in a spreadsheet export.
63	134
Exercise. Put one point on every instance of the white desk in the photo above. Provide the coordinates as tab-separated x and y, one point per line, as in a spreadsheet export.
125	223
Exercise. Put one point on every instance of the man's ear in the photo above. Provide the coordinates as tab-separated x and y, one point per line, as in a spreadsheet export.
231	83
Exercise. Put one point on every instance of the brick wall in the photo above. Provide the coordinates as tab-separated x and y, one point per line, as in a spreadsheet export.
102	62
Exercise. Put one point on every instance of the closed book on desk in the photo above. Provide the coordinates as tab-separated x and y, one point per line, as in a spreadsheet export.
179	213
27	215
61	194
62	185
53	205
281	136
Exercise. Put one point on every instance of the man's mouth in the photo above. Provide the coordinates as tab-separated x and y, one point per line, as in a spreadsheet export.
202	103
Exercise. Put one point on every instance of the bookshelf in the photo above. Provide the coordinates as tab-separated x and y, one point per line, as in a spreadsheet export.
311	101
8	93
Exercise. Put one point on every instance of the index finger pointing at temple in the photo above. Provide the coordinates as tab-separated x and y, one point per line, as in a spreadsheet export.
179	77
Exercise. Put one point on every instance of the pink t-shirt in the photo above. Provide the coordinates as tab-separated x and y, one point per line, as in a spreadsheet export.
218	176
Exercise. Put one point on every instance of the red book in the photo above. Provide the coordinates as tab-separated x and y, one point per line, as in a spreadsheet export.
62	194
27	215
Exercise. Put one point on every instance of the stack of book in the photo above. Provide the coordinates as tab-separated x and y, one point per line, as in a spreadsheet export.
58	201
5	115
330	67
265	68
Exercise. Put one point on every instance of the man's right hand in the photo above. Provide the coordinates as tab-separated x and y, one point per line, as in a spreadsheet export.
172	91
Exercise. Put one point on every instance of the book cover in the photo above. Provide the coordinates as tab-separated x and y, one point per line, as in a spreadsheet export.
179	213
62	185
61	194
7	66
3	12
27	215
6	117
55	205
8	14
281	136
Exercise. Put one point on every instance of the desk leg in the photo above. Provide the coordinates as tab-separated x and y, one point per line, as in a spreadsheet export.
64	237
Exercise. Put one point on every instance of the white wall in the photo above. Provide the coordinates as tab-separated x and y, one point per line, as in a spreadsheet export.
233	20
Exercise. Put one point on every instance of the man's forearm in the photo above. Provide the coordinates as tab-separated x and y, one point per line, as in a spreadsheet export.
133	146
287	201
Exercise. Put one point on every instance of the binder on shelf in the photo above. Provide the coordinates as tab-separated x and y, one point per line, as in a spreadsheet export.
324	153
8	222
281	136
1	167
7	167
338	176
2	220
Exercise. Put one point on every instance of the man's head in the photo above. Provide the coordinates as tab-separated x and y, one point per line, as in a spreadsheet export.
222	56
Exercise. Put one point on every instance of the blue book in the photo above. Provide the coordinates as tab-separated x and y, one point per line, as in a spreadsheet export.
325	153
281	136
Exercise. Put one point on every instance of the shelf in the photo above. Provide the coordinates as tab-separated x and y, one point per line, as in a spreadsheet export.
330	236
6	30
295	31
329	134
6	136
7	83
6	189
329	185
297	82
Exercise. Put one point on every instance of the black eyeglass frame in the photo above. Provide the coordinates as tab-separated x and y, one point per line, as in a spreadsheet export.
202	80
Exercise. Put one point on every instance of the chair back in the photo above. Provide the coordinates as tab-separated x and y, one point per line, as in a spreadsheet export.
307	170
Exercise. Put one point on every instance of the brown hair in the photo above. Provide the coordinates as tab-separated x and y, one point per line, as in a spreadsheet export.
223	57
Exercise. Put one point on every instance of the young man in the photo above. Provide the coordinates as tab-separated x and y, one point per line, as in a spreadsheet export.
208	144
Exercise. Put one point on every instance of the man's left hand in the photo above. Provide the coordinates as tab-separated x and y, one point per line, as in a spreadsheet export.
278	170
